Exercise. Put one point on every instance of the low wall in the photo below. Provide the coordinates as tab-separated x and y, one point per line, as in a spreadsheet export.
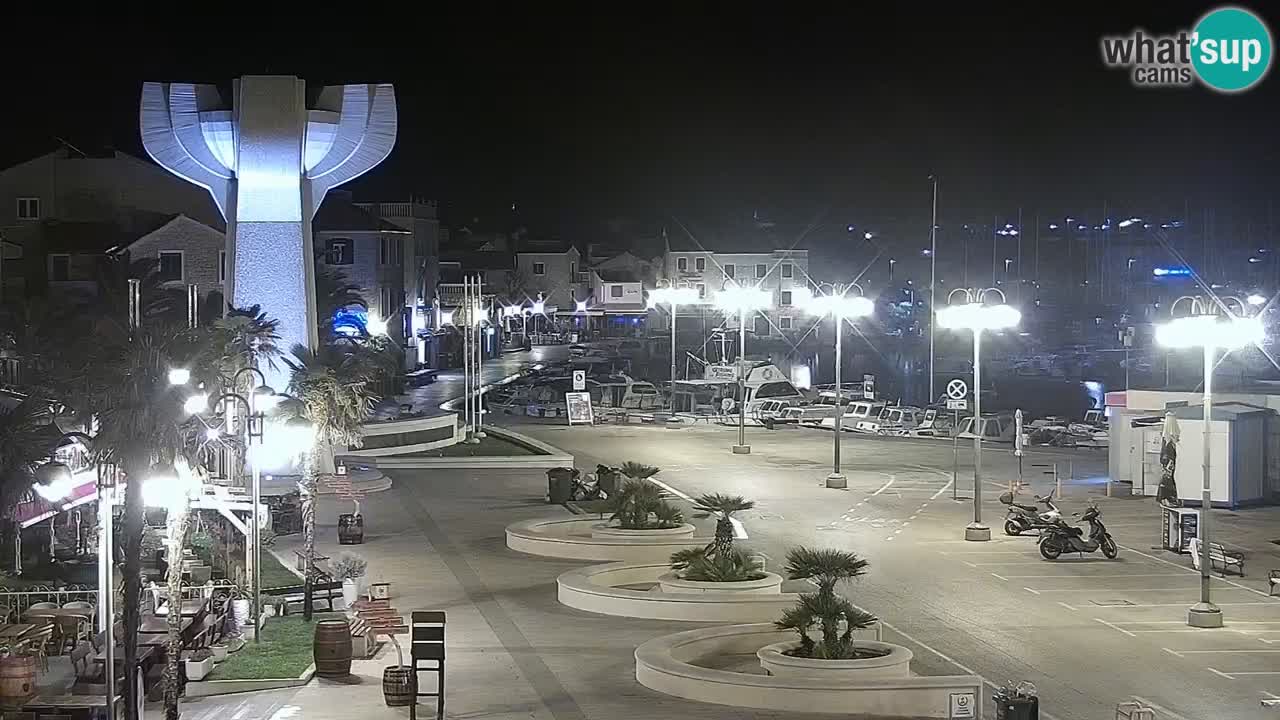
666	664
596	589
570	538
411	435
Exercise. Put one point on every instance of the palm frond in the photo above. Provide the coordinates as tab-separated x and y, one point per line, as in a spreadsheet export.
638	471
719	504
804	563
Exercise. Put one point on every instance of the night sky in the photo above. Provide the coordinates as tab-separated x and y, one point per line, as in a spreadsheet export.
830	117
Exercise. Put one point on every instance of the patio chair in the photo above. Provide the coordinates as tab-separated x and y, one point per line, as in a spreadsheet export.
71	630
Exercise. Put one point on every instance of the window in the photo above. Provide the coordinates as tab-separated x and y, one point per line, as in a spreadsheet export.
700	264
390	251
729	270
784	323
59	267
682	264
573	271
222	267
170	265
387	302
340	251
702	291
776	389
539	268
28	208
762	325
786	298
615	291
761	270
786	270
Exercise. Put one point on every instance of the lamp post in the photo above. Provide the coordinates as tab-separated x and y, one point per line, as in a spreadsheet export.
735	298
673	297
255	492
839	304
976	315
1210	325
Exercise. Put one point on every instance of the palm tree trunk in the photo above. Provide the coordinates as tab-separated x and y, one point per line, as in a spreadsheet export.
177	540
724	536
831	638
137	462
309	474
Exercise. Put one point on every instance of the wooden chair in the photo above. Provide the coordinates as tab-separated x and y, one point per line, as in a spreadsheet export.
42	606
81	657
39	640
71	630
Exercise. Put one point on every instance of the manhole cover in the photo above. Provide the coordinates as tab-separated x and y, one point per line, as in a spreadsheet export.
1110	603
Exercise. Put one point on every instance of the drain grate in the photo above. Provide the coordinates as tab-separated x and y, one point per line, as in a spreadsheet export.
1111	603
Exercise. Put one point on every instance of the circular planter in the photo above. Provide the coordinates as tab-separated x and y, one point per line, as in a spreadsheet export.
609	531
770	584
896	664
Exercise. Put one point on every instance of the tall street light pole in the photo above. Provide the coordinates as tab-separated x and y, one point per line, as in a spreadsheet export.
933	279
735	298
839	303
1212	326
673	297
976	315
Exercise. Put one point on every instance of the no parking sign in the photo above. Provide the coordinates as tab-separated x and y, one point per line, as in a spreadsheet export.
962	706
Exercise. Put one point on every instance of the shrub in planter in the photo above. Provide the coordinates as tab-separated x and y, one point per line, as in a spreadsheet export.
639	506
199	664
833	616
349	569
730	566
219	651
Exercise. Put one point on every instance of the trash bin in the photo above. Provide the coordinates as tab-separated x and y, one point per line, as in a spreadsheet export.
608	479
560	484
1021	703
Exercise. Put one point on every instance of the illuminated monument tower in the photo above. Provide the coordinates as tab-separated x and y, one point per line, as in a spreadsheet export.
268	161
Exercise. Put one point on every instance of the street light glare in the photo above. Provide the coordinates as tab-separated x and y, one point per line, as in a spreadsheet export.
212	434
196	403
1256	299
179	376
376	325
849	306
743	299
673	296
977	316
1226	333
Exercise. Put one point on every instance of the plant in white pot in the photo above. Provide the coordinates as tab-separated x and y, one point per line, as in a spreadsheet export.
349	568
199	664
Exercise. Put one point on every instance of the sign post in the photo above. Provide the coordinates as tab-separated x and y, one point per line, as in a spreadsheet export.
868	387
579	380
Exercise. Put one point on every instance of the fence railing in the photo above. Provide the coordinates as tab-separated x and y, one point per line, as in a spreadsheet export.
15	604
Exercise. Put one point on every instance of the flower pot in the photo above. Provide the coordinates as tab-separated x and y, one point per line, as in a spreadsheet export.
198	669
350	529
350	591
380	590
219	652
235	644
399	685
240	611
770	584
605	530
894	663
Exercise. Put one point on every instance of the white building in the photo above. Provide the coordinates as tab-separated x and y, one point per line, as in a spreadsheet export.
776	270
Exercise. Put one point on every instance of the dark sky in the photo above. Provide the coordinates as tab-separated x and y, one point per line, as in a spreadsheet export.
581	117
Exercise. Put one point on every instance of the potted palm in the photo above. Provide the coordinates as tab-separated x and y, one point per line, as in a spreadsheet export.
639	510
719	567
349	569
198	664
826	623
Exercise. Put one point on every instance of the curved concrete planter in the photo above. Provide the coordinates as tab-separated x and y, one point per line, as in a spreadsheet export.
571	538
895	664
770	584
674	664
603	530
599	589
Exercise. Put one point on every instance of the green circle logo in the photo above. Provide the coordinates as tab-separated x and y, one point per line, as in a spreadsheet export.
1231	49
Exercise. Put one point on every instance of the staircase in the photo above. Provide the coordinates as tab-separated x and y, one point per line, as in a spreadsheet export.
381	618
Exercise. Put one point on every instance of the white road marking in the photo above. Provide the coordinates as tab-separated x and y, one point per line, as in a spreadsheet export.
1227	652
1216	671
1118	590
1251	672
1172	652
1000	577
1069	607
1193	571
941	490
739	530
966	562
883	487
889	538
1115	627
1033	592
1181	604
1092	577
985	552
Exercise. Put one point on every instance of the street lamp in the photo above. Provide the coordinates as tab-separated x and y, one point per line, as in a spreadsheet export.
839	304
375	325
1210	325
735	298
672	297
976	315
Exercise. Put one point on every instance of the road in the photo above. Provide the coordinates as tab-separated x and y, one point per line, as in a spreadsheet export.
448	384
1088	632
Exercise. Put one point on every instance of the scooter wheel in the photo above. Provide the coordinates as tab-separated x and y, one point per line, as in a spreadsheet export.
1012	528
1050	549
1109	548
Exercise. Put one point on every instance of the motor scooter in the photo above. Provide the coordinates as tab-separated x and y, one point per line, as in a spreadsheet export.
1062	537
1022	518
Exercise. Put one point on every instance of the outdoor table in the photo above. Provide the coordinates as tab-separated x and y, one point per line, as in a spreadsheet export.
190	608
144	654
156	639
61	612
153	624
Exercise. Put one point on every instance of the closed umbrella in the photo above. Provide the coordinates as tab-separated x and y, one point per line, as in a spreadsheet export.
1167	495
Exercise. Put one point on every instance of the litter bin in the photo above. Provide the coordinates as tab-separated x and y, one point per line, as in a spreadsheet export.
608	479
1021	703
560	484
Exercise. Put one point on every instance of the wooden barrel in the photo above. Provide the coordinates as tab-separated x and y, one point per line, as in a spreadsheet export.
17	676
398	686
332	648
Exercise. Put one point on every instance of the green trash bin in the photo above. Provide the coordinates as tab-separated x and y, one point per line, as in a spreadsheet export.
560	484
608	479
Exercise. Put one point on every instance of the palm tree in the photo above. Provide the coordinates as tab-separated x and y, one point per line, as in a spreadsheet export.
723	507
334	396
826	568
25	441
334	291
638	471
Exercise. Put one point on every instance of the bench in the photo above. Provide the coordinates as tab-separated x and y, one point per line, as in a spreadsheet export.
418	378
323	588
301	564
1220	558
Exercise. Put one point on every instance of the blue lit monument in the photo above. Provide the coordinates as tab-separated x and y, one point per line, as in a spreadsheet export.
268	161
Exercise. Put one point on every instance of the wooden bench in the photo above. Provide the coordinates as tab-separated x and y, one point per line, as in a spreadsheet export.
1220	558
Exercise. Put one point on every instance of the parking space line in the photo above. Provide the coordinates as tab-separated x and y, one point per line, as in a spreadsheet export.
1172	652
1069	607
1193	571
1216	671
1115	627
1033	592
1118	590
1225	652
1178	604
985	552
1251	672
966	562
1090	577
995	575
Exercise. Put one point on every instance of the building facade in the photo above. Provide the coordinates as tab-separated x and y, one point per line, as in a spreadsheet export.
779	272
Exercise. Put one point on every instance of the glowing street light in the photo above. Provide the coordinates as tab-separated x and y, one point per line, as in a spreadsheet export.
735	298
976	315
375	325
672	297
179	376
839	304
1211	326
1256	299
196	404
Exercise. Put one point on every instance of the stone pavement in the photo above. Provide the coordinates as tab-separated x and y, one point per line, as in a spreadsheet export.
514	651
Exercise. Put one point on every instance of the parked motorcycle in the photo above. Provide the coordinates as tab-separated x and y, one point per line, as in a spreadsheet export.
1022	518
587	488
1062	537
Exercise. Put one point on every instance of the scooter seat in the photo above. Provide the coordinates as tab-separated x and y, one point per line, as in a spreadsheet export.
1028	508
1076	531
